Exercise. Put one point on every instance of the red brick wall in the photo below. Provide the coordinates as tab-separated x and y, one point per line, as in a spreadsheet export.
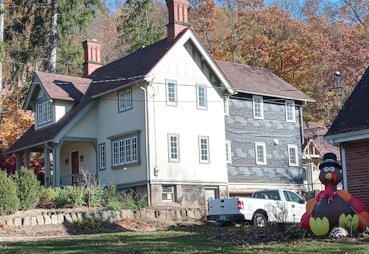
357	157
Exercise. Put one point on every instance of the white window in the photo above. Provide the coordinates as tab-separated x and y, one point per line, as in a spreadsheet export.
260	153
102	156
171	92
173	147
290	111
204	149
44	113
292	155
124	100
201	97
226	106
168	194
257	102
125	150
228	151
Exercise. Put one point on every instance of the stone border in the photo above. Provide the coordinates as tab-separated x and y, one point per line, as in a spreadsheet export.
58	217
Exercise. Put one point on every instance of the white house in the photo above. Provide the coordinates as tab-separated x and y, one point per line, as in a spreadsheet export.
152	121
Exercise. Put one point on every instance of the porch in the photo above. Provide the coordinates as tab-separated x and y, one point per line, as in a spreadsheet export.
70	162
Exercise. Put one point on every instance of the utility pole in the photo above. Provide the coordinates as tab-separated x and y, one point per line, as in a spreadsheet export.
53	36
339	87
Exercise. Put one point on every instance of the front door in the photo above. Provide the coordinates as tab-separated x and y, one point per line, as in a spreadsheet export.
75	168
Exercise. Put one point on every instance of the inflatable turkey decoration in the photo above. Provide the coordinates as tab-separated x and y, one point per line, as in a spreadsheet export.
331	207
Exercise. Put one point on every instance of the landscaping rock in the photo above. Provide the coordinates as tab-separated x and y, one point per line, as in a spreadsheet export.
40	220
54	219
26	221
47	220
17	221
33	221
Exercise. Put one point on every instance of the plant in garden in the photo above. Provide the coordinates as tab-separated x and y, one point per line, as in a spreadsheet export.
9	201
70	196
89	223
28	188
48	196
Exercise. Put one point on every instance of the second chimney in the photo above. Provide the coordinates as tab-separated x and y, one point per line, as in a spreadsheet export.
92	52
178	19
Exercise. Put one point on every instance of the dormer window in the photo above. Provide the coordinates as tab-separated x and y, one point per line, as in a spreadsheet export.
44	113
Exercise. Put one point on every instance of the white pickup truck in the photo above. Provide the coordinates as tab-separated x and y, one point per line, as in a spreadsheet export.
263	206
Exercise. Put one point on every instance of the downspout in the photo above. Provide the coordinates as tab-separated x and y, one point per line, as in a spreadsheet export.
344	167
147	147
301	126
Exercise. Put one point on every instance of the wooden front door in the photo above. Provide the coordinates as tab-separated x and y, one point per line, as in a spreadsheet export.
75	167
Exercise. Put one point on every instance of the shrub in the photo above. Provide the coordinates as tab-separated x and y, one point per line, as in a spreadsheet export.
114	206
29	188
70	196
48	197
89	223
111	195
133	201
9	201
94	195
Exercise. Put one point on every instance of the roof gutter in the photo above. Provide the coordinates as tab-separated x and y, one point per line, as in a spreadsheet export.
26	147
348	136
277	96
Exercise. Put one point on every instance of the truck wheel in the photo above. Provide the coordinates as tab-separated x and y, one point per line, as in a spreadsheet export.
259	220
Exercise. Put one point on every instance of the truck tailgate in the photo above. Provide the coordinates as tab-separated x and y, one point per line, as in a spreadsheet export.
223	206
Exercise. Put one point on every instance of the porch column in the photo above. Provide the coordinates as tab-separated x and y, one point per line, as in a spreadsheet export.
18	163
27	156
56	165
47	166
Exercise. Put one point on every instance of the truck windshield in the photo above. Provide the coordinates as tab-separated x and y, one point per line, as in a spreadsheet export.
270	194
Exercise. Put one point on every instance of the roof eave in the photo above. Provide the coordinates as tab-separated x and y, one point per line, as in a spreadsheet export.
339	138
277	96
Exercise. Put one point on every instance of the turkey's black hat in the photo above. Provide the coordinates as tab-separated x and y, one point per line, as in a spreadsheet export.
330	159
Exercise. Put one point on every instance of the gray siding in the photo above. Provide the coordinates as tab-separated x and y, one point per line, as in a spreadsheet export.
243	131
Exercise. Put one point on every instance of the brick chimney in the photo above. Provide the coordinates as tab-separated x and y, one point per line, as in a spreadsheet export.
92	51
178	19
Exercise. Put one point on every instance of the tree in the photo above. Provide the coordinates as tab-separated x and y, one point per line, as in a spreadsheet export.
137	27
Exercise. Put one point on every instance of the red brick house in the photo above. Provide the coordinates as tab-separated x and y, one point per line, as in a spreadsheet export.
350	130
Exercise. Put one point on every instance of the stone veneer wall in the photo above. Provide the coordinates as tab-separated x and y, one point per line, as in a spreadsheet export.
59	217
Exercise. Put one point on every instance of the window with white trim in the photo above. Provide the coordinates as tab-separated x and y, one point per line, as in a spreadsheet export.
44	113
168	193
201	97
204	149
173	147
124	100
171	92
260	153
125	150
290	111
228	151
102	156
258	107
292	155
226	106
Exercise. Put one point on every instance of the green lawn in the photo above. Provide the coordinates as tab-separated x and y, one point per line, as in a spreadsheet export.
191	240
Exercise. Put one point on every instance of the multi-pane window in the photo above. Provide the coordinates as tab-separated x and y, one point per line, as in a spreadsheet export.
228	151
44	113
260	153
102	156
257	102
292	155
168	194
201	97
171	93
290	111
125	151
125	100
173	143
204	149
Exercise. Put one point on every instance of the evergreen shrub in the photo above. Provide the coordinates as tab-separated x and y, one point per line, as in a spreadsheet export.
28	188
9	201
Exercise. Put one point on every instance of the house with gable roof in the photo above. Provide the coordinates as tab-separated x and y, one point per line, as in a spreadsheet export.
165	121
350	130
264	133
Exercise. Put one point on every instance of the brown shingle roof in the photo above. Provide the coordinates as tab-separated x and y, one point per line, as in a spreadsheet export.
260	81
64	87
110	76
354	115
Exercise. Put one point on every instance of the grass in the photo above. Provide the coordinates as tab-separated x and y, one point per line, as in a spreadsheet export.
182	240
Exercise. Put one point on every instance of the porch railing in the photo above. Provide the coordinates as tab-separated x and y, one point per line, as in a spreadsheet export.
71	179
